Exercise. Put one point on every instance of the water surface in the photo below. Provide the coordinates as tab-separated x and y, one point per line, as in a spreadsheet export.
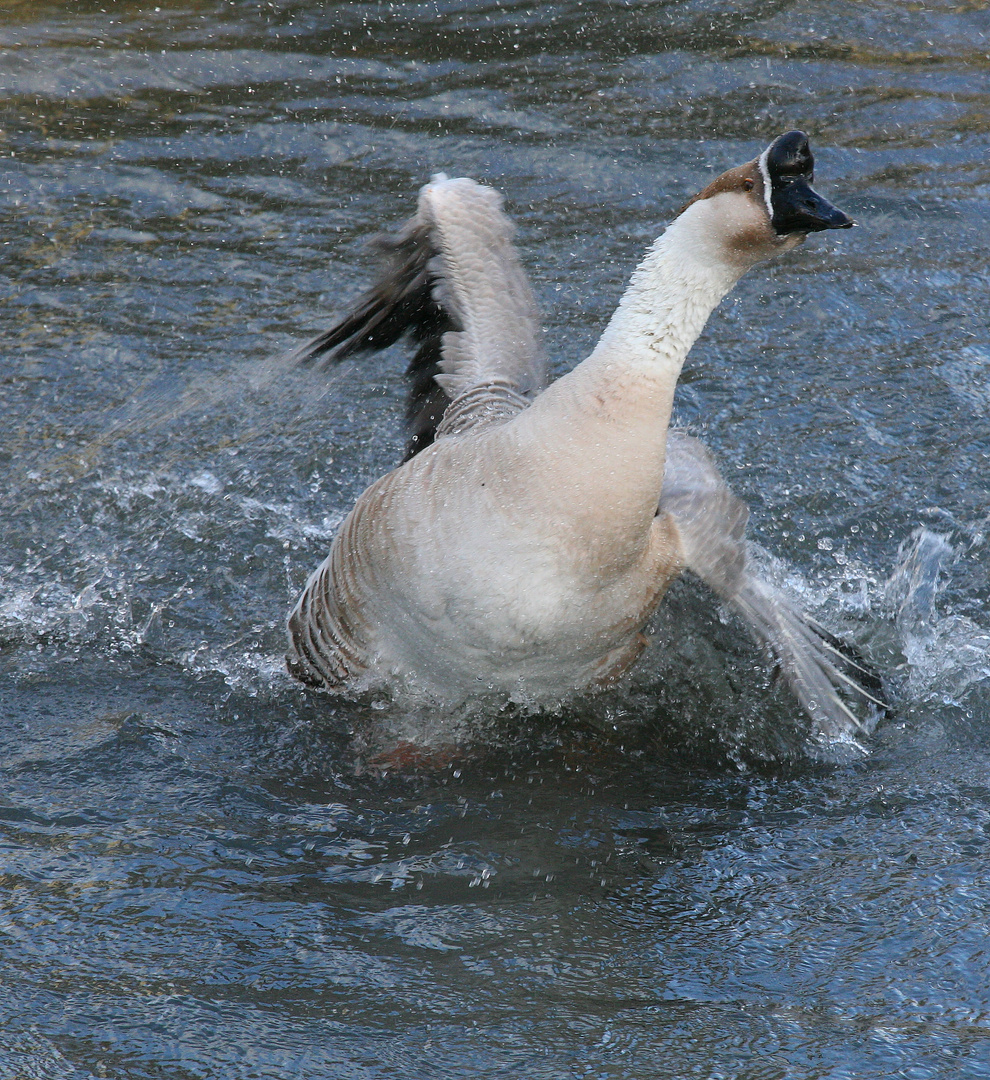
199	877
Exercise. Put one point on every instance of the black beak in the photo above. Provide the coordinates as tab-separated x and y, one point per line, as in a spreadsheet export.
797	207
788	167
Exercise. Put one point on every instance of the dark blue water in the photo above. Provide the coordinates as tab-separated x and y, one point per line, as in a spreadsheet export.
199	875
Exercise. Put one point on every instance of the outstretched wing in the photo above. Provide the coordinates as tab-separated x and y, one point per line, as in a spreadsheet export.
452	281
823	673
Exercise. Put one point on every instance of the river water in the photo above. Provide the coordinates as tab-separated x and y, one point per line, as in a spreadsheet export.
199	875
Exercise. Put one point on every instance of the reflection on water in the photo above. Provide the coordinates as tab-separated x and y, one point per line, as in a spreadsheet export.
198	878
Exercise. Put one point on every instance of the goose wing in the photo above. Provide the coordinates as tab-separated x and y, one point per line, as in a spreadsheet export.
815	664
452	281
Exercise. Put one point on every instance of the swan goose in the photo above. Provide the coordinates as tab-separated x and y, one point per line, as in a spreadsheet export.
532	530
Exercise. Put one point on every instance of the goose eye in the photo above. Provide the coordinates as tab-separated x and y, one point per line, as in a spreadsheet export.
748	184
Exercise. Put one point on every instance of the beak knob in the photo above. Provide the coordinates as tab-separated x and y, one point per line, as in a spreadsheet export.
788	168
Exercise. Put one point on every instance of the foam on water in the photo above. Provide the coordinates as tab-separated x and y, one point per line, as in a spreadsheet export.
155	546
196	881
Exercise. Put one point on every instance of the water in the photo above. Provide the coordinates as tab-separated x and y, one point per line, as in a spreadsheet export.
200	875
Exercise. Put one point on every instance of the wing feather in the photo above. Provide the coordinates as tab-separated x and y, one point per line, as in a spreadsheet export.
814	663
450	280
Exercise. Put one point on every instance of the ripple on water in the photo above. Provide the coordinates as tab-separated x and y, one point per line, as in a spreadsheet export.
203	875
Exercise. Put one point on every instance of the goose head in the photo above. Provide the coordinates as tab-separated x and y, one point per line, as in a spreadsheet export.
767	206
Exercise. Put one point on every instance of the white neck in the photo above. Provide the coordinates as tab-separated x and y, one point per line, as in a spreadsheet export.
605	423
633	370
674	289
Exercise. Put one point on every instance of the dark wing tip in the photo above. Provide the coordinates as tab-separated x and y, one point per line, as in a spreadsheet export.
400	302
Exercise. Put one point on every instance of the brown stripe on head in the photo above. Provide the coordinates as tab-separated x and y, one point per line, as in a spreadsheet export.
741	222
744	179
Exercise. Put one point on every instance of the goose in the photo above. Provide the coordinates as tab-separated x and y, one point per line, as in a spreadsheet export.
532	529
